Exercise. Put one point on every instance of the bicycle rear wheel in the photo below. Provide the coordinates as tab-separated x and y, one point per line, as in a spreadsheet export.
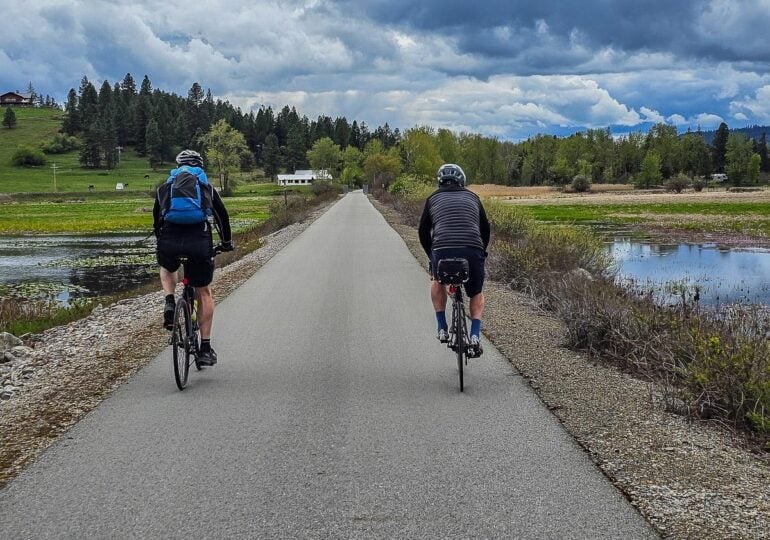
180	343
458	322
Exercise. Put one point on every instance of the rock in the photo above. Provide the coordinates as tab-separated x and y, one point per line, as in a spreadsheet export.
5	395
8	357
9	340
21	351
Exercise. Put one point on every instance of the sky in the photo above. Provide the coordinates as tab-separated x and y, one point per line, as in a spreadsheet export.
502	68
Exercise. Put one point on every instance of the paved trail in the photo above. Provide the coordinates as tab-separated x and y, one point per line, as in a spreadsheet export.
333	413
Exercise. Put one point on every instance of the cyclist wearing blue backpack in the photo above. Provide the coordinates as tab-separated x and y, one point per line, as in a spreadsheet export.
185	206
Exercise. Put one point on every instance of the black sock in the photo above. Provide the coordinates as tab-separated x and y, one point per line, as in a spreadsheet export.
205	345
170	298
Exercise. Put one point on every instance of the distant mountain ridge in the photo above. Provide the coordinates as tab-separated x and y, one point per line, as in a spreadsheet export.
752	132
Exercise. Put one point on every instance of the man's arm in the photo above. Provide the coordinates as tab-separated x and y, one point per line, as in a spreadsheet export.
222	217
424	229
156	220
484	226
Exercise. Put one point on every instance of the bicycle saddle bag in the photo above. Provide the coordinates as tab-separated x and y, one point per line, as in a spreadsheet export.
452	271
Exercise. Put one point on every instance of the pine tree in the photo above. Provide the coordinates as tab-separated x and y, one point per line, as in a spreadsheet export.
9	119
142	115
271	155
88	103
90	152
153	142
72	124
720	147
764	162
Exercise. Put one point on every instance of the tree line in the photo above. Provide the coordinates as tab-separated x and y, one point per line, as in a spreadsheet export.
158	124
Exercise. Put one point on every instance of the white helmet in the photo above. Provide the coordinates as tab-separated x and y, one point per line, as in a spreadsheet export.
449	172
189	157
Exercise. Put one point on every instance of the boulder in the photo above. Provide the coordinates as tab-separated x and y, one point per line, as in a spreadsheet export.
21	351
8	341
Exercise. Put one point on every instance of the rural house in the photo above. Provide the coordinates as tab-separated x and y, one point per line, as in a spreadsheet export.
16	99
303	177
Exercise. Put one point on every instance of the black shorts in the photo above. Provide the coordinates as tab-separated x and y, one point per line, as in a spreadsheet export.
475	257
196	245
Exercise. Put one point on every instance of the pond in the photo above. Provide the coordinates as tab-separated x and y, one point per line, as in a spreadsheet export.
722	275
69	267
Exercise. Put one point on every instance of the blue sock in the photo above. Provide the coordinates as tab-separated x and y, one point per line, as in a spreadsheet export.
441	320
475	327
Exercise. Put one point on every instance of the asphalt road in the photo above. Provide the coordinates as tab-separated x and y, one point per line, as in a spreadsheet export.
333	413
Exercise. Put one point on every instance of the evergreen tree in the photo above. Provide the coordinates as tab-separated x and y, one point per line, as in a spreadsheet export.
153	143
91	151
355	136
271	155
719	147
88	103
108	141
295	149
72	123
9	119
142	115
33	96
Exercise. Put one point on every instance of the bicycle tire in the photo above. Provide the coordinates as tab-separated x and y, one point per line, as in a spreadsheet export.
180	343
458	323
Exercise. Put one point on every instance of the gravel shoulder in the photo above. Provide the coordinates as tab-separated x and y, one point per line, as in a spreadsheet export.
63	373
690	480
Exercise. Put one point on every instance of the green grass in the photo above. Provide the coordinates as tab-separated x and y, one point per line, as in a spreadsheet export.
35	127
100	214
750	217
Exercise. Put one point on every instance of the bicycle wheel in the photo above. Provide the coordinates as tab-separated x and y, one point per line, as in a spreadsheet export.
458	322
180	343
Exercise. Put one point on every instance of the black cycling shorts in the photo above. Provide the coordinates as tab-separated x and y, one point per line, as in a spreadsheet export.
475	257
196	245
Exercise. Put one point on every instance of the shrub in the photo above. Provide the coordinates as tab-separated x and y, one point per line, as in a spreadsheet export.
26	156
698	184
60	144
678	183
411	185
581	183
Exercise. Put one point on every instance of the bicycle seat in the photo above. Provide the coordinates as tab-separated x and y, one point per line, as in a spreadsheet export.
452	271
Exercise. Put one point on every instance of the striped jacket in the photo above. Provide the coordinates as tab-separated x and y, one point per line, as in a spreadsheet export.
453	217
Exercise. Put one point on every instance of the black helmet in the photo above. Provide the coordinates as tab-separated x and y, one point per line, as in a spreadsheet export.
449	172
189	157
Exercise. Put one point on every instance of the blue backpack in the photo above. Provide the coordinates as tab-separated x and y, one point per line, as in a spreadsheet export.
188	197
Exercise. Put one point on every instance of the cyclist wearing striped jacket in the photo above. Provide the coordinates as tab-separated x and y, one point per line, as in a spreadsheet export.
454	224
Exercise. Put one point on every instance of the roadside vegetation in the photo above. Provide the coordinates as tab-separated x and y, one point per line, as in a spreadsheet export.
708	364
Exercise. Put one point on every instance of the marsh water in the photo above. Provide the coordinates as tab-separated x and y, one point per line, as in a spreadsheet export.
721	275
68	267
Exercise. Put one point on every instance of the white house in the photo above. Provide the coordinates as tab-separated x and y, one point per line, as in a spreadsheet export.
303	177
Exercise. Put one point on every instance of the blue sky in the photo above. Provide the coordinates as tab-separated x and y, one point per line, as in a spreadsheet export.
505	68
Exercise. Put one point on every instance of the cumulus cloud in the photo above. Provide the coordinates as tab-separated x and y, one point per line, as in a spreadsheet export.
506	67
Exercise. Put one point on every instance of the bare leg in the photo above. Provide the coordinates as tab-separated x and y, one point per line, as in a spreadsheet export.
205	310
168	280
438	295
477	306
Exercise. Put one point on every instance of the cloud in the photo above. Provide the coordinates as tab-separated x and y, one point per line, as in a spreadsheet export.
497	66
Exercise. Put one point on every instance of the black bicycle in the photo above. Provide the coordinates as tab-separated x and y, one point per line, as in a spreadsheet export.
455	272
184	340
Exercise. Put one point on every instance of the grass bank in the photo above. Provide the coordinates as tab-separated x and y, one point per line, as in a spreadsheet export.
708	365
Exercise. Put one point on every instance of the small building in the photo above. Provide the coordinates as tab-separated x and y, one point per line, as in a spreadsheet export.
303	177
719	177
16	99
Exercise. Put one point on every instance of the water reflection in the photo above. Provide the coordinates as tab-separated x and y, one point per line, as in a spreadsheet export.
722	275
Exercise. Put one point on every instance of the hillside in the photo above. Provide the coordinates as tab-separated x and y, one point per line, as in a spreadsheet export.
752	132
35	127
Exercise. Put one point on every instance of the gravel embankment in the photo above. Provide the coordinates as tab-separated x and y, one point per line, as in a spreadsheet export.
51	381
690	480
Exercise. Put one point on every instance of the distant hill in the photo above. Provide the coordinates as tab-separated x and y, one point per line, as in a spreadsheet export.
752	132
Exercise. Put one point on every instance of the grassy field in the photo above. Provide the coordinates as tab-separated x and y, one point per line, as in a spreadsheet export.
718	212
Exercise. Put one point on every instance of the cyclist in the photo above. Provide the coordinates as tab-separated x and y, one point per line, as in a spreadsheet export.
454	224
184	206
